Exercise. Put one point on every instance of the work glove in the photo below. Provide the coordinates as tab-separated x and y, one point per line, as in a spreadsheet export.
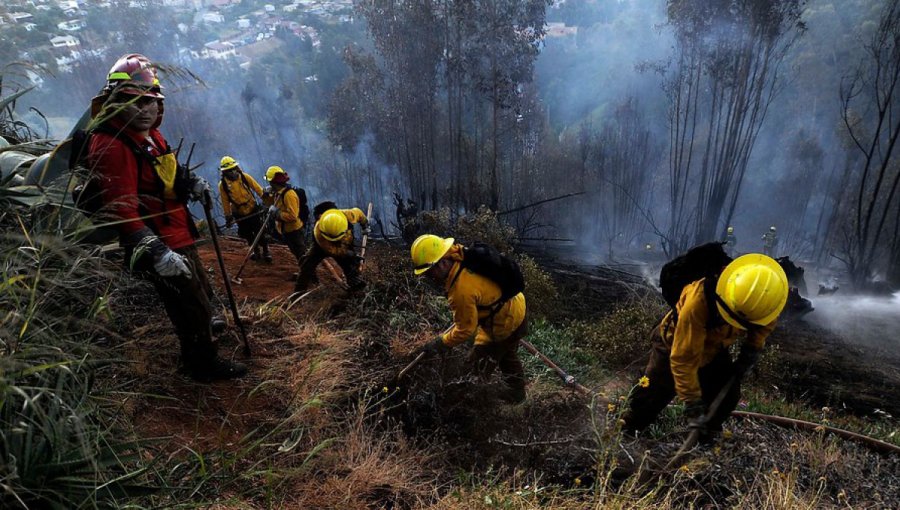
273	211
695	412
229	221
171	264
435	347
200	190
366	228
746	359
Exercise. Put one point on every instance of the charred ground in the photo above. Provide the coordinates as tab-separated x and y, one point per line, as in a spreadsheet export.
322	421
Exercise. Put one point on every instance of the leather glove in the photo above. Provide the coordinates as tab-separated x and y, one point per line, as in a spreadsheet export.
200	190
273	211
366	228
695	412
171	264
434	347
746	359
229	221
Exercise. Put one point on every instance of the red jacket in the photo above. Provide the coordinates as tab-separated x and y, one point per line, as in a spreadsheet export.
130	188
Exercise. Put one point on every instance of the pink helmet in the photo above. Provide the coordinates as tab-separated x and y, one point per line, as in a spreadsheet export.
134	74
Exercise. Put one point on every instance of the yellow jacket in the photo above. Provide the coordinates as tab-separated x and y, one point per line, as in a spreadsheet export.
470	296
288	203
238	196
339	248
692	345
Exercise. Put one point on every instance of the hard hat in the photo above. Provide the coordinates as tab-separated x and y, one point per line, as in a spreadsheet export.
772	228
227	163
276	174
134	74
754	287
731	230
427	250
333	225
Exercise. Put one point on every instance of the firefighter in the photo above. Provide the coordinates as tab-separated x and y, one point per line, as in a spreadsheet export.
238	192
146	191
333	237
770	241
478	315
730	241
287	207
689	356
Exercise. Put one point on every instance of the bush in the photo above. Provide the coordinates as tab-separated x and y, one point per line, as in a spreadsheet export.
620	339
541	295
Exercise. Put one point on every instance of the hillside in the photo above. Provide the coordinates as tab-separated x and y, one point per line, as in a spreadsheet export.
321	421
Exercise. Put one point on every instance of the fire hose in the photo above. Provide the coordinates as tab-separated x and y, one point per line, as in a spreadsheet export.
781	421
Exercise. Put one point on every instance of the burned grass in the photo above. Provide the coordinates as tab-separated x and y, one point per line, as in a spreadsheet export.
323	422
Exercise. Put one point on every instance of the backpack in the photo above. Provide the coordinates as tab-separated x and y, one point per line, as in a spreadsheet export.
304	206
702	261
485	260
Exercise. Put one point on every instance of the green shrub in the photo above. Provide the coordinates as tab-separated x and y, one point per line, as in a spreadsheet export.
621	338
541	295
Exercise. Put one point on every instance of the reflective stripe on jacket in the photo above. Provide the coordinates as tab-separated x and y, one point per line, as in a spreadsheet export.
339	248
692	345
470	297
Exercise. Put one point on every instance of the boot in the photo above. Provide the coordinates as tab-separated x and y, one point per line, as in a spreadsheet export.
218	369
267	257
218	324
254	255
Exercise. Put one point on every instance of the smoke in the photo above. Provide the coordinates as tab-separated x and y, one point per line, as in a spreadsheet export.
866	320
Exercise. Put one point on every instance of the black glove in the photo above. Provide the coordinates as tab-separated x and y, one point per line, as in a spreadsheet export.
695	412
434	347
746	359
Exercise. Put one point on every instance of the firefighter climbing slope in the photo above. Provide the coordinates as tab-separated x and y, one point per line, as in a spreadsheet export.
289	210
239	192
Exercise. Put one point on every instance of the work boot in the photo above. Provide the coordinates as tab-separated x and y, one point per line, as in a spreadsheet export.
267	257
218	324
218	369
254	256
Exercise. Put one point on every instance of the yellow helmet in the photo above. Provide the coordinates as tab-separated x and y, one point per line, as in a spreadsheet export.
333	224
754	287
227	163
427	250
273	171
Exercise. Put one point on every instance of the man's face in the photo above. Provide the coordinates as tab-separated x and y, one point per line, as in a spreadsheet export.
139	113
438	272
231	175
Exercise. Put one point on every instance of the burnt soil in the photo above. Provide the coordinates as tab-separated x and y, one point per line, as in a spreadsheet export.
554	435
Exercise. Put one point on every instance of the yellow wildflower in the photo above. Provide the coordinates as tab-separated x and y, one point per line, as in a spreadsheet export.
644	381
623	398
727	434
578	481
684	469
610	407
384	390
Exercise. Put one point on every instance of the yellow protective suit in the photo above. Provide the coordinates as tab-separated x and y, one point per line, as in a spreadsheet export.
470	296
692	345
